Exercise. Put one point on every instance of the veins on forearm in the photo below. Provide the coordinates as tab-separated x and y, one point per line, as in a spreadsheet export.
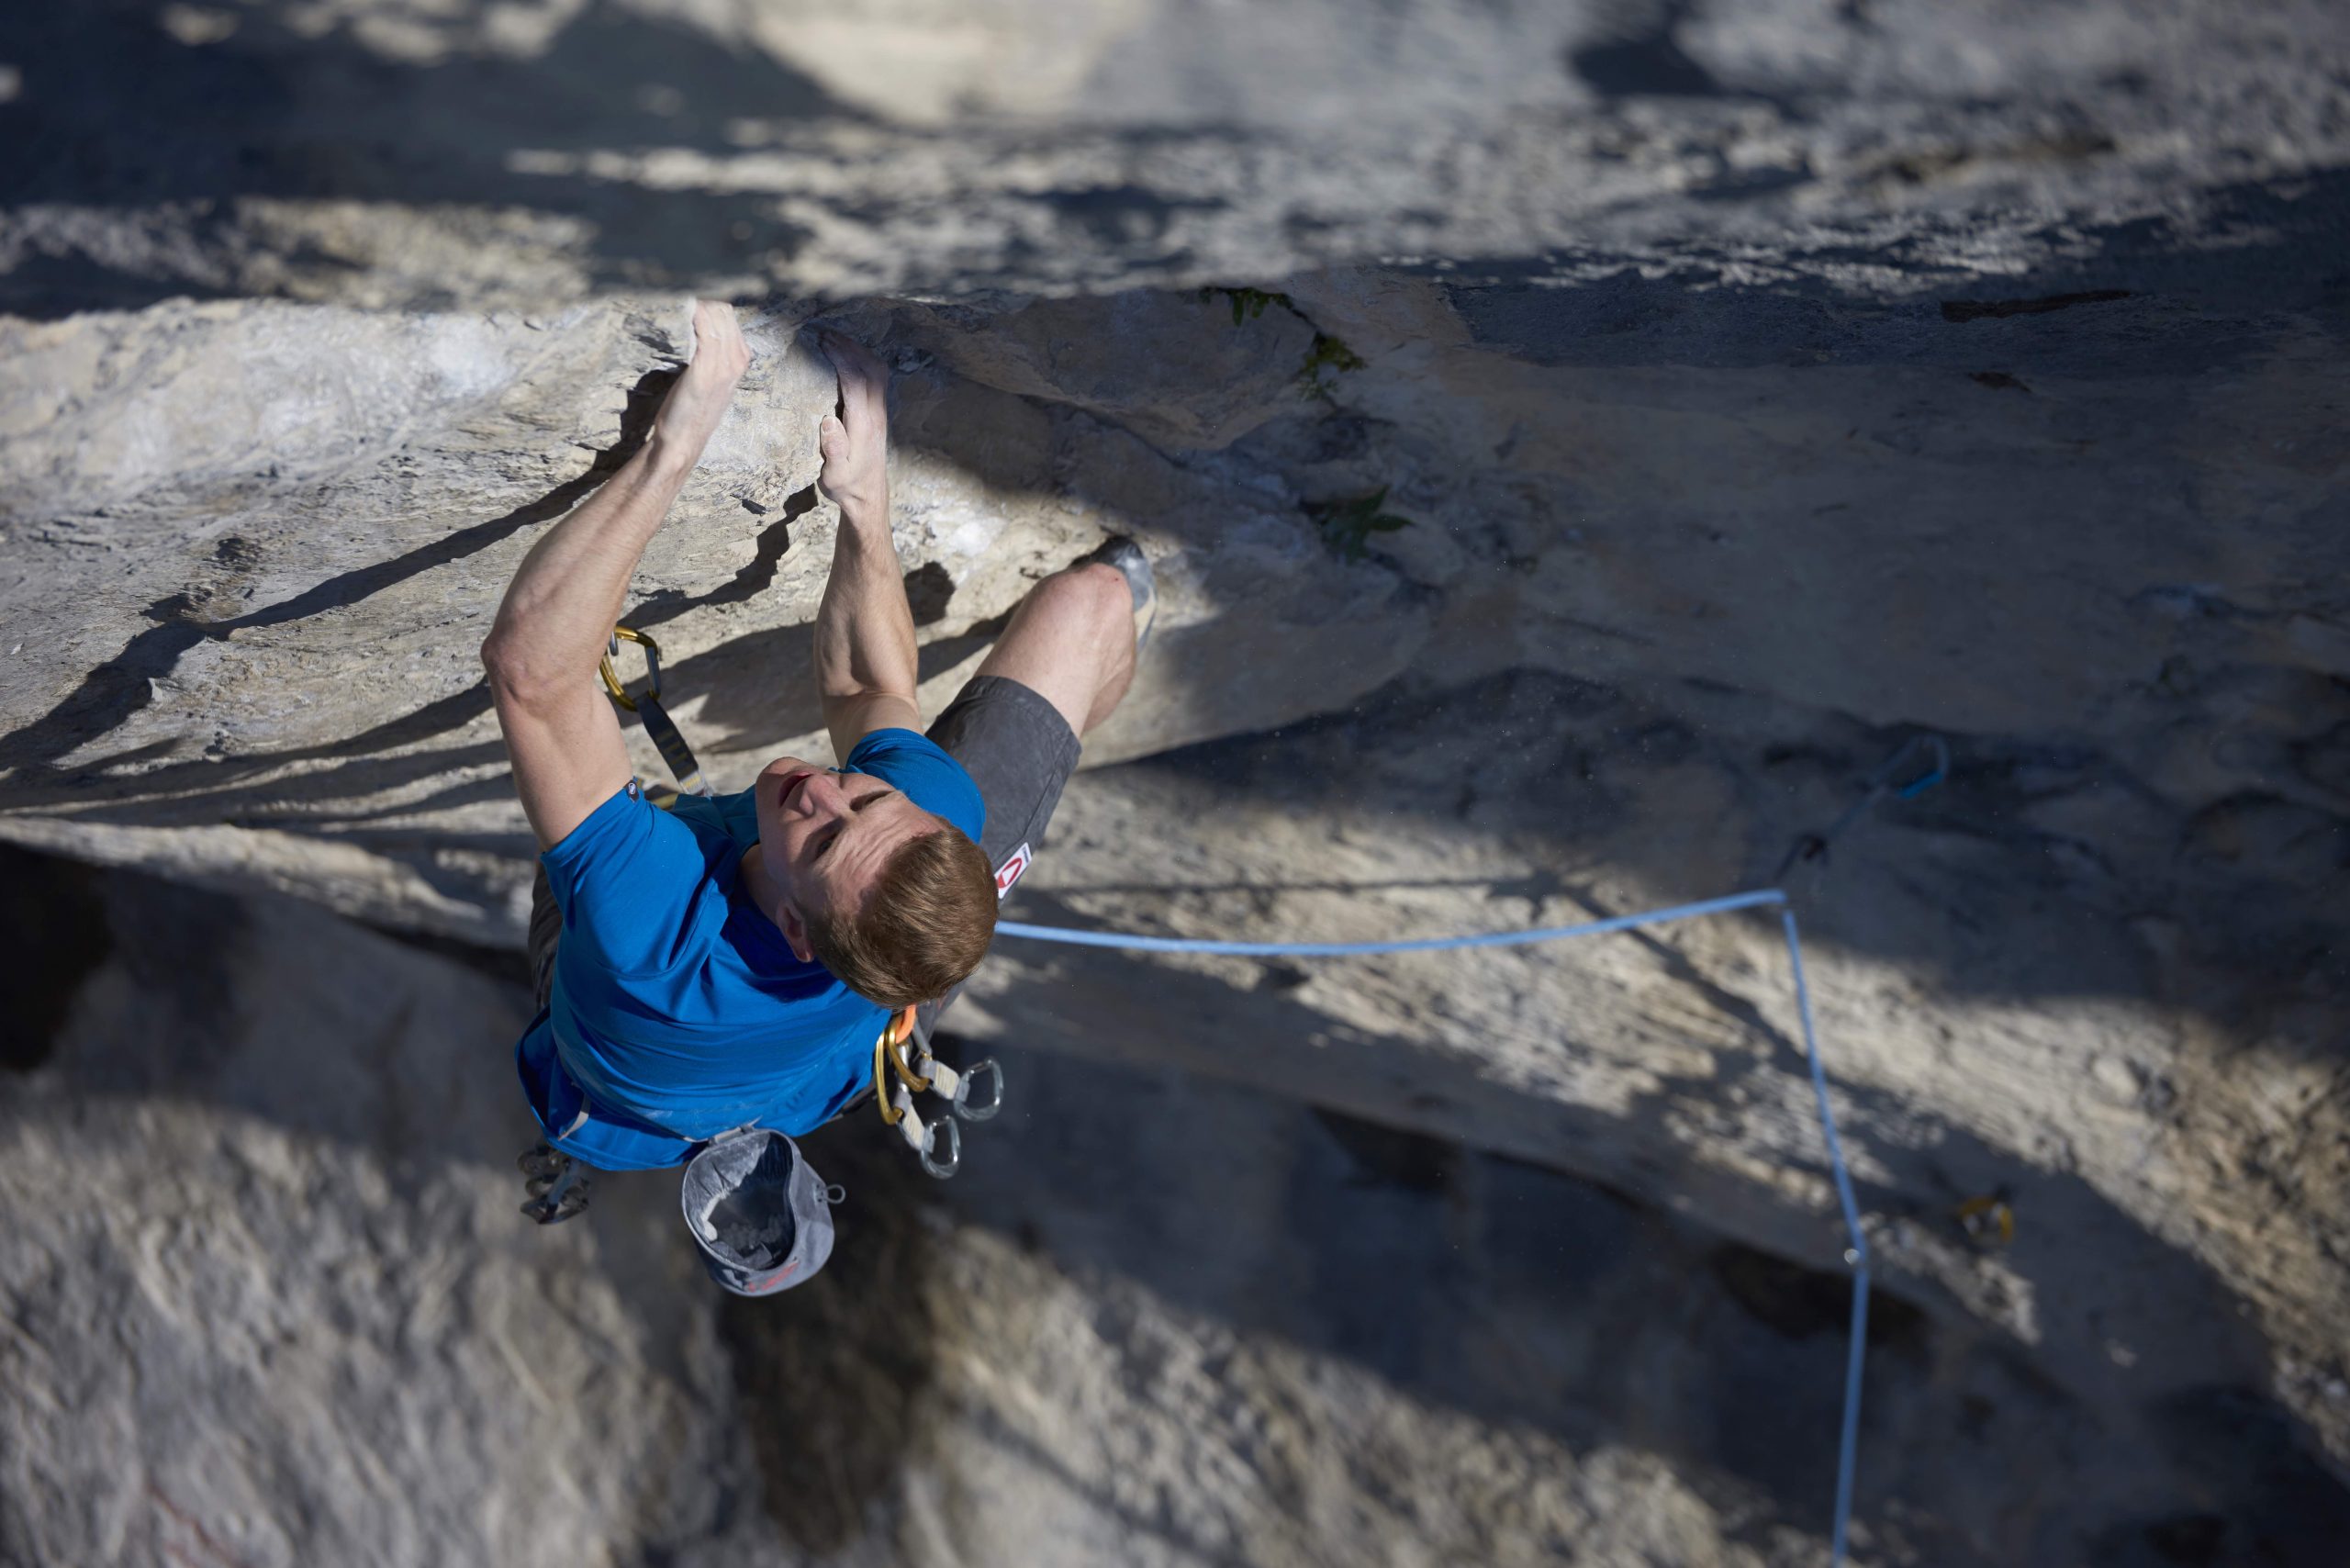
864	628
569	588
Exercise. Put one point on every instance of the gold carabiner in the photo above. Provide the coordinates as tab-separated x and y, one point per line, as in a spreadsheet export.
890	1114
1987	1219
888	1057
651	665
901	1030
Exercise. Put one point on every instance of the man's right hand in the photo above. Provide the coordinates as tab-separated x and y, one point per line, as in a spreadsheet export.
690	413
856	445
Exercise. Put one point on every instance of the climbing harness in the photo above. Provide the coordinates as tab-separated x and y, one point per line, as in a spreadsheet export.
1813	847
646	706
557	1183
896	1082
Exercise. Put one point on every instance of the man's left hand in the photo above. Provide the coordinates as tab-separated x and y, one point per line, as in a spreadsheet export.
856	445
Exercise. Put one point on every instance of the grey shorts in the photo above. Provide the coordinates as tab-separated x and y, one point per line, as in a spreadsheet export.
1013	743
1019	751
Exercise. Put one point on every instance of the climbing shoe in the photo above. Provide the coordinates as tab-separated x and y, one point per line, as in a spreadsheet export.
1124	554
556	1185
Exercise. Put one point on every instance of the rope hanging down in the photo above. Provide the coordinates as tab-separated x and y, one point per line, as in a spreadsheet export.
1857	1254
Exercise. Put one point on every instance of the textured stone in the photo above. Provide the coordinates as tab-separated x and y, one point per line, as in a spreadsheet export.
1758	386
264	1296
1971	956
285	644
266	1300
1646	624
279	634
421	152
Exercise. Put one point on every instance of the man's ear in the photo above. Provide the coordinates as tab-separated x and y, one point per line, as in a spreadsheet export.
795	935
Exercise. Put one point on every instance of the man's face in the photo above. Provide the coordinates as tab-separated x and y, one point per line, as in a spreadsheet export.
824	837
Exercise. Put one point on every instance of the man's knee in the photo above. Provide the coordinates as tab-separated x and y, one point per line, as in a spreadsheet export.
1072	643
1093	593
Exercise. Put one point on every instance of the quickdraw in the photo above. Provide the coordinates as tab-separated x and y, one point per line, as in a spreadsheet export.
896	1082
1889	779
647	707
1988	1220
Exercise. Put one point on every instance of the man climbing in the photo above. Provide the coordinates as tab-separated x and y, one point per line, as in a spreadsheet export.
732	961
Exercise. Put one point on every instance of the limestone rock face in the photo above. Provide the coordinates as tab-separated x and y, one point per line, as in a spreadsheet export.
258	543
1647	623
1580	444
297	590
268	1302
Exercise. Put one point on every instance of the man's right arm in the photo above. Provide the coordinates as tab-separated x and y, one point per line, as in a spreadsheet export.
552	625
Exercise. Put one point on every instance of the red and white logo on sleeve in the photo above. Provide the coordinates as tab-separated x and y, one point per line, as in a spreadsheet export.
1011	870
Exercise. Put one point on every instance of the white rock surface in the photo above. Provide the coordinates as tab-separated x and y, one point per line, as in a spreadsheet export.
264	1300
416	152
1612	571
1762	386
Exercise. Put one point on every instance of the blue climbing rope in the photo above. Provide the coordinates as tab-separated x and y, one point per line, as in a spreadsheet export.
1358	950
1857	1256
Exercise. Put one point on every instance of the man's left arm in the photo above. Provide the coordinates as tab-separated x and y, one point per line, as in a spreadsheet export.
558	615
867	664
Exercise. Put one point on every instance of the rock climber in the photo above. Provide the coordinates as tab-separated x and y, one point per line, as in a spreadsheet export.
730	962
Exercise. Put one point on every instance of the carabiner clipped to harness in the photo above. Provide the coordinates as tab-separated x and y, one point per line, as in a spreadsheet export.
648	709
896	1082
981	1110
925	1144
611	677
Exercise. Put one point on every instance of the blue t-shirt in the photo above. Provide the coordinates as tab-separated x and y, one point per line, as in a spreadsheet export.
678	1007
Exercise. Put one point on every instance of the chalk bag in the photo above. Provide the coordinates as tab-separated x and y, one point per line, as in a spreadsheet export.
760	1214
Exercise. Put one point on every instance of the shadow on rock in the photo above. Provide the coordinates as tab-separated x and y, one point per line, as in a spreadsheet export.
832	1377
1525	1297
1487	1285
124	684
53	922
145	988
127	114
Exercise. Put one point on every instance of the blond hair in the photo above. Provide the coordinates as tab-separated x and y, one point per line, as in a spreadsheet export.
924	926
